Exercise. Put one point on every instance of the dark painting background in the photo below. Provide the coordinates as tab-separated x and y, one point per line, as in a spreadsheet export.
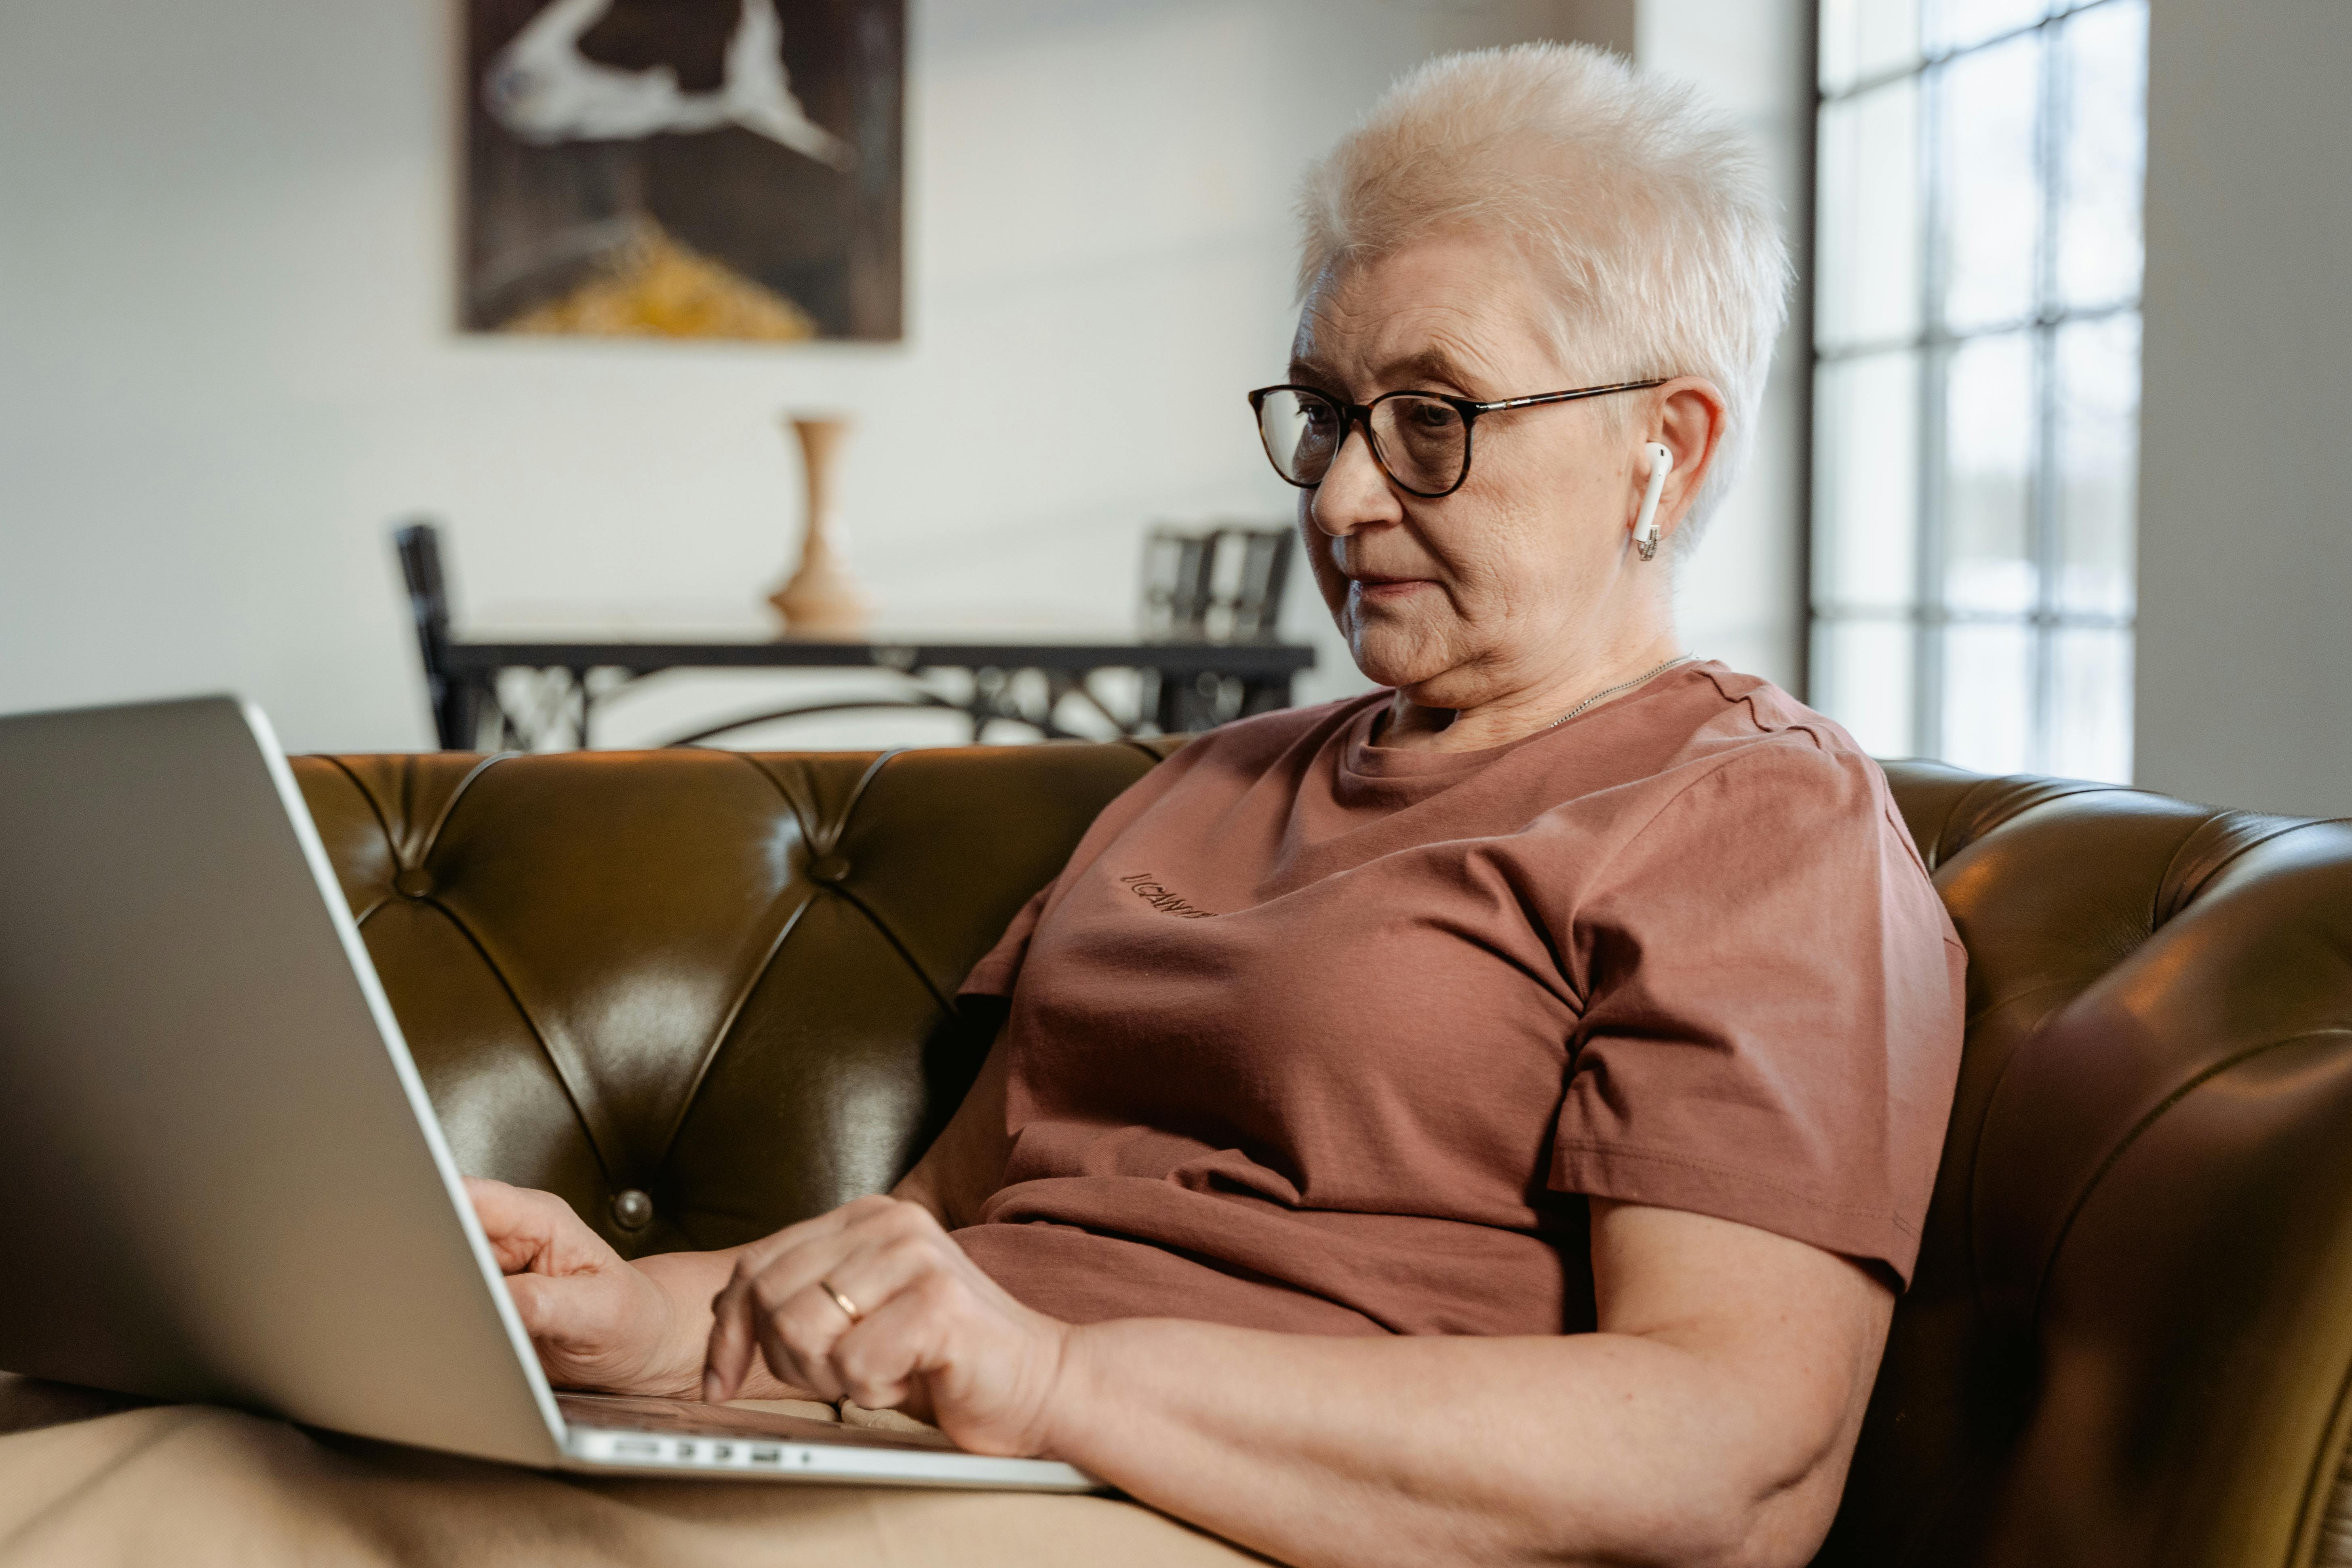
542	220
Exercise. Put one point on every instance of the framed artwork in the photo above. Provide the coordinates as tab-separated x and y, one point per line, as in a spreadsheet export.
729	169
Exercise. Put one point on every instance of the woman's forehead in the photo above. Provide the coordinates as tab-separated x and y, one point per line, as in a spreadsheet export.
1445	310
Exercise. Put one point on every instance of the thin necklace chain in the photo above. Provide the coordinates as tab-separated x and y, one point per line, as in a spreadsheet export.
1622	685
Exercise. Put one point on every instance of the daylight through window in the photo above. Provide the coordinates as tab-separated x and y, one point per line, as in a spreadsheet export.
1977	378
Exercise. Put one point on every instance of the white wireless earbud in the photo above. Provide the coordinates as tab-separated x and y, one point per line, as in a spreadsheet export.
1645	526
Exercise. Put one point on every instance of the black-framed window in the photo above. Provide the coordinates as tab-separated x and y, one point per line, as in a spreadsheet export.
1975	378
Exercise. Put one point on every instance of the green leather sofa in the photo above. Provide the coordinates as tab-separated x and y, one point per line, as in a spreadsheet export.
704	994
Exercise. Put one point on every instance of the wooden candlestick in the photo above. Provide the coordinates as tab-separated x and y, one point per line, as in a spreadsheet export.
821	598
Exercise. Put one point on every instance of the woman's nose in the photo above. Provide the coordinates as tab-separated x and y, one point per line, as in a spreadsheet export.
1354	492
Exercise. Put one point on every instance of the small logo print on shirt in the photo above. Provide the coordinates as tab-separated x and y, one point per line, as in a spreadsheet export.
1146	886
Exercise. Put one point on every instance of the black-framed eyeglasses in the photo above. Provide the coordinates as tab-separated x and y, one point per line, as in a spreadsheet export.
1420	439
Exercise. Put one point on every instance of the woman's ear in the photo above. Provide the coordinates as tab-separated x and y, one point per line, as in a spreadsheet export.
1690	423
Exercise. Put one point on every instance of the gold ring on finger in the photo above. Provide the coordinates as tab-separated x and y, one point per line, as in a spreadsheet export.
848	1308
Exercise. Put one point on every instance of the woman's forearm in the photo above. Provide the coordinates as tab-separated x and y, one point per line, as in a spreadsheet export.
1587	1448
1708	1423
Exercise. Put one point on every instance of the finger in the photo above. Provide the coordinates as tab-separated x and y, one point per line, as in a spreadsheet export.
760	1291
870	1275
807	1299
796	1340
939	1353
540	1313
518	1223
733	1343
769	1279
751	1320
762	1253
743	1313
558	1313
734	1315
881	1362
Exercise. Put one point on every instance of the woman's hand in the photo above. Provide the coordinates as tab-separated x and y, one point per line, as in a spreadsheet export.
931	1334
596	1322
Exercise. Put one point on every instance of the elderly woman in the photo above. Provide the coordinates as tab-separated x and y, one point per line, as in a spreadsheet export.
1488	1119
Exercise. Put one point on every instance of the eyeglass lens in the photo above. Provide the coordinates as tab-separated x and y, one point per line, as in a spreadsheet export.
1423	442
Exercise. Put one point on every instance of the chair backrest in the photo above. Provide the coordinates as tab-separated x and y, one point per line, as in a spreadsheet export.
725	981
2129	1335
418	545
1224	583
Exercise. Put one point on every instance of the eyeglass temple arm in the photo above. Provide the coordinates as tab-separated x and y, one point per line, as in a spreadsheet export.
1567	396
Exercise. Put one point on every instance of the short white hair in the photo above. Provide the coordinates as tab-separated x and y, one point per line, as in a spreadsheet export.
1646	214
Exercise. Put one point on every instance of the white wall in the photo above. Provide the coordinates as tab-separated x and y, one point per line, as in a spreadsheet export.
1740	598
2245	564
227	366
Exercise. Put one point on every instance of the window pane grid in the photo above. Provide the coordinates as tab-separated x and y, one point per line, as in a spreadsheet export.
1829	352
2049	160
2010	491
1941	616
1837	84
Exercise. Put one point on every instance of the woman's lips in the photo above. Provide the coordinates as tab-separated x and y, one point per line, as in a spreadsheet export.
1389	590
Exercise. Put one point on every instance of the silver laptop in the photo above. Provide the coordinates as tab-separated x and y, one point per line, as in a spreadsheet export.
224	1182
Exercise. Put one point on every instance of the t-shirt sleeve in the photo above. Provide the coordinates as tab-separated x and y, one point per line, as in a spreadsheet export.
1772	1024
999	966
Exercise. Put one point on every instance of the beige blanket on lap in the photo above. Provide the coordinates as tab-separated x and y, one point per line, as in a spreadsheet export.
89	1480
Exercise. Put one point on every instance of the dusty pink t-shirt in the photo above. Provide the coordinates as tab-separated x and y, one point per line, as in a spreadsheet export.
1319	1036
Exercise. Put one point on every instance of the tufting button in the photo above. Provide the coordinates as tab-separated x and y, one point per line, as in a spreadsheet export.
632	1210
829	870
413	882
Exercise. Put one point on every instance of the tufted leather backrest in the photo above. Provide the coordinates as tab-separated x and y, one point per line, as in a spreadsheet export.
2129	1333
725	981
721	980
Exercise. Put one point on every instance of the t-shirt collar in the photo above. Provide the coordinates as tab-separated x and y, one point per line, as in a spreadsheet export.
1390	765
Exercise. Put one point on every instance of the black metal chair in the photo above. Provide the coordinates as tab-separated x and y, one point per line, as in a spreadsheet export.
472	715
1222	584
419	546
